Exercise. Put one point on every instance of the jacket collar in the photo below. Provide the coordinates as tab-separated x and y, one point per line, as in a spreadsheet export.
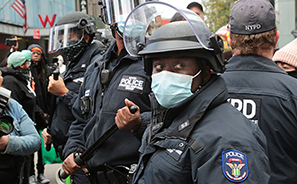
252	63
182	117
22	75
112	52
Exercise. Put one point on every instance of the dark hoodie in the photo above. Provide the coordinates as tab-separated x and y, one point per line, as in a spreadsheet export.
17	82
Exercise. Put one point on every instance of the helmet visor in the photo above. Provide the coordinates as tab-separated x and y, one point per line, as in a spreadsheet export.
64	36
148	17
114	11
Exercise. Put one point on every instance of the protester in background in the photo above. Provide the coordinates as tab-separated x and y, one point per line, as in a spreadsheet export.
194	132
40	73
80	53
259	88
286	58
62	66
23	141
197	8
17	78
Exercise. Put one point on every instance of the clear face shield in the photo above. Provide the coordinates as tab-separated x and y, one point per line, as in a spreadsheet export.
148	17
64	36
115	11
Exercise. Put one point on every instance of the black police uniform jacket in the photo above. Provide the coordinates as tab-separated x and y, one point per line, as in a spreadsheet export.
18	82
202	139
128	80
73	78
268	96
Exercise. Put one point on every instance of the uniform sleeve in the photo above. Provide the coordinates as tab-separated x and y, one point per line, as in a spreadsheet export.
145	120
69	98
75	142
28	141
233	164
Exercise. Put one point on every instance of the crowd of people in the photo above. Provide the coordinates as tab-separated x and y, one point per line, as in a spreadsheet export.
199	118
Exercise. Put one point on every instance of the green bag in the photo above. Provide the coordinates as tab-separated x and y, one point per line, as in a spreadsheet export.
49	157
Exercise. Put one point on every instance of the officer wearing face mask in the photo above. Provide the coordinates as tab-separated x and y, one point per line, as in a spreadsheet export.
195	135
111	79
73	34
286	58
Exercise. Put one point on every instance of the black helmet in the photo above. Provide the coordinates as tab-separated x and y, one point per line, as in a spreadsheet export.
77	22
178	39
189	36
82	20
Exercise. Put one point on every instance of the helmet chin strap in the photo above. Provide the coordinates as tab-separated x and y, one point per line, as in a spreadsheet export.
114	29
202	65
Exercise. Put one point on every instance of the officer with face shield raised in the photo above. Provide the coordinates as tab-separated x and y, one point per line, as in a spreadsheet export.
73	34
195	135
113	81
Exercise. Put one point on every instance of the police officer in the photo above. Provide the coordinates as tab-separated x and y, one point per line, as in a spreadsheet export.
73	34
195	135
260	89
110	80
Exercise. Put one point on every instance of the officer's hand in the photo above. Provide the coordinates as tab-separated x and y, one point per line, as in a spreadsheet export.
69	165
56	87
85	170
3	142
125	120
46	137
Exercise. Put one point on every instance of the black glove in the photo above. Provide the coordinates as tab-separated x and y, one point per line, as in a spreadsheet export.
46	119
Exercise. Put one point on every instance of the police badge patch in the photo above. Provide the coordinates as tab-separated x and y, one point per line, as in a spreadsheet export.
132	83
235	165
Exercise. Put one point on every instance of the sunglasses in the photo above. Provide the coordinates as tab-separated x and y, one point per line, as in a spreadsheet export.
36	52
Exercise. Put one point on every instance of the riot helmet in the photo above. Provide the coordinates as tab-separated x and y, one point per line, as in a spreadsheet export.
68	34
115	12
188	36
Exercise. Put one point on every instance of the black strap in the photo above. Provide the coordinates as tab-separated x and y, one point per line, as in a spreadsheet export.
195	145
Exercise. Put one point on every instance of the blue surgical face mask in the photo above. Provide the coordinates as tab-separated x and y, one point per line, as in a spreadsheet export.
171	88
131	31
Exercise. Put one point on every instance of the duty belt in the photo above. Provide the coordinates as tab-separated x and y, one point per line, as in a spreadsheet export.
113	175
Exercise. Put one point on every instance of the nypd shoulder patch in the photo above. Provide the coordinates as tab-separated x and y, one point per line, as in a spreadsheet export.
235	165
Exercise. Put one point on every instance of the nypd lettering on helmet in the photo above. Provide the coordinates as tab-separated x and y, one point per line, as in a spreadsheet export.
132	83
250	107
235	165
